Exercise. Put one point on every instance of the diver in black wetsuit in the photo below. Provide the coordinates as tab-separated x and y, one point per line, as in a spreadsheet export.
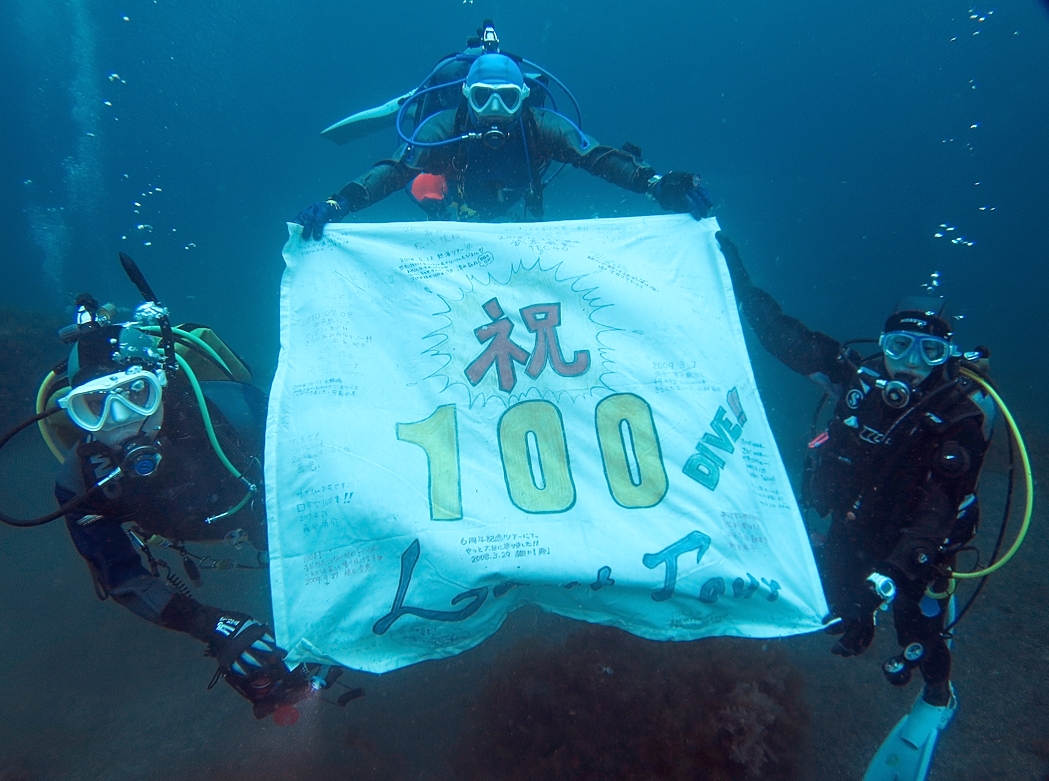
479	159
896	471
160	435
144	465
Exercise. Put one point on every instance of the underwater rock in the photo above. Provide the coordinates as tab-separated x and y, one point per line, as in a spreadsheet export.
609	706
29	348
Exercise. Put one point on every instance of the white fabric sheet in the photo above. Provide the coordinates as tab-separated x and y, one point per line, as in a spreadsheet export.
469	417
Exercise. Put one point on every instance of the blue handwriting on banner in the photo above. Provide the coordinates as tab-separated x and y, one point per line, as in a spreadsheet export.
714	587
408	561
704	466
693	541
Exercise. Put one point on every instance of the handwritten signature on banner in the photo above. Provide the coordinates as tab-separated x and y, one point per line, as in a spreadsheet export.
712	590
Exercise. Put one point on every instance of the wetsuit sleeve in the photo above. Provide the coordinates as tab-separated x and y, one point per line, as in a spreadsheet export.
558	140
379	181
390	175
117	570
807	352
953	465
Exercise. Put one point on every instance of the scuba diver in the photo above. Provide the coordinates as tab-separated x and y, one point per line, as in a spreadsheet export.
896	470
161	457
482	142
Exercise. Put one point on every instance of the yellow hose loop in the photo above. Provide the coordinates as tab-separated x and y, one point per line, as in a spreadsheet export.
207	348
42	396
952	584
1028	482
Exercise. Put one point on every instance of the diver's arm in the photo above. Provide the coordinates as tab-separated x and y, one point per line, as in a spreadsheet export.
247	654
379	181
559	140
116	567
390	175
805	351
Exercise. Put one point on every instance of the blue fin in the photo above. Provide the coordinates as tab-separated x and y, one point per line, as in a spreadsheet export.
908	751
366	122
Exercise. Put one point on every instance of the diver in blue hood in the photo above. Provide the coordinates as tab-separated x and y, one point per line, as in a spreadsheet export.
478	159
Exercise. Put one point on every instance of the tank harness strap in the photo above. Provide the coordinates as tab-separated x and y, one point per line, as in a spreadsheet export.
530	132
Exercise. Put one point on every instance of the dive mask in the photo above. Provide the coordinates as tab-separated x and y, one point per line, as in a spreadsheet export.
903	345
115	399
495	101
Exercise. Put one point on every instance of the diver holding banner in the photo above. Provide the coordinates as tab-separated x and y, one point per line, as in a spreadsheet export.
159	433
896	470
479	135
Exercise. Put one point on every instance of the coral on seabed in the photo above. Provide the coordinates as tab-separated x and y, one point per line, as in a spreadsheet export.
608	706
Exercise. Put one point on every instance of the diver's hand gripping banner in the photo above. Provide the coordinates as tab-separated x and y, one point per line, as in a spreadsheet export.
469	417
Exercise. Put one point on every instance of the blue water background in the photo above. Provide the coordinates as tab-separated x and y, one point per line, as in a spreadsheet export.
837	138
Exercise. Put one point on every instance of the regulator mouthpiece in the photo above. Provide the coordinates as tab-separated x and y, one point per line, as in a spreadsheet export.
895	393
494	138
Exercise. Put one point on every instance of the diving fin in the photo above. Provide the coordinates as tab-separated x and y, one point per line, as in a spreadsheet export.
366	122
908	751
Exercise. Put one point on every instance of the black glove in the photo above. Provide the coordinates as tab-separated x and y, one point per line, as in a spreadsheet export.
315	216
678	191
253	664
858	617
856	638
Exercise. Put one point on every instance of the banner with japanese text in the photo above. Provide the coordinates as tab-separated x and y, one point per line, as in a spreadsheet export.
466	418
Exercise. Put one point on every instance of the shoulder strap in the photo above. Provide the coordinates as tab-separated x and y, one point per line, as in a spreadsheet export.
534	196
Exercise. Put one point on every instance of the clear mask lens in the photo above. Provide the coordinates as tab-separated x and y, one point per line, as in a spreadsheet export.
898	345
495	99
115	400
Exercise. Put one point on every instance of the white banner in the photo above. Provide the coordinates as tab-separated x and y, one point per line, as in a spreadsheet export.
469	417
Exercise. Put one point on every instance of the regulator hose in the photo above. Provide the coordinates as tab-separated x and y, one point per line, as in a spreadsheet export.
1025	461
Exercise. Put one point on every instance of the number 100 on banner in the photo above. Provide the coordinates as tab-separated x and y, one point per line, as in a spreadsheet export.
535	458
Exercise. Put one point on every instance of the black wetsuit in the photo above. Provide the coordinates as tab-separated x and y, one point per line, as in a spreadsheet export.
189	486
898	484
484	183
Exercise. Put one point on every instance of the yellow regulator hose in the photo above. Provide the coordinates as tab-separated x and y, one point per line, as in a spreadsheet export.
1028	482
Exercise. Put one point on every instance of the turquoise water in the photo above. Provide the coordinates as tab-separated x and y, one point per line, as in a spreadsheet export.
854	151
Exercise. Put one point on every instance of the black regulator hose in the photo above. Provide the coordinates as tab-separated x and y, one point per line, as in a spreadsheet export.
65	508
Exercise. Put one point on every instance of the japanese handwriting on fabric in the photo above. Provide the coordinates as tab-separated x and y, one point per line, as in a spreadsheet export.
409	559
541	320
